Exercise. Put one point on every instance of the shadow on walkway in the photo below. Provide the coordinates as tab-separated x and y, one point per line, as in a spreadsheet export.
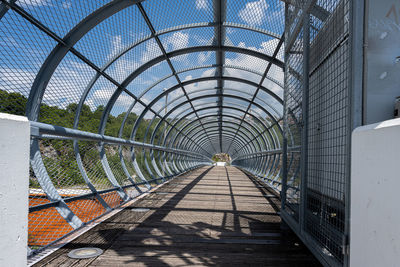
210	217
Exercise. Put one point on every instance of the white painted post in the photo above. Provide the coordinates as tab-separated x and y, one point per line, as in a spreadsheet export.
14	188
375	184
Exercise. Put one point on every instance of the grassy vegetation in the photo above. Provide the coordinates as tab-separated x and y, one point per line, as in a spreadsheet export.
59	155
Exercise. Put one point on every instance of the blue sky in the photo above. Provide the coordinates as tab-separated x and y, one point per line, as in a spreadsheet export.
24	47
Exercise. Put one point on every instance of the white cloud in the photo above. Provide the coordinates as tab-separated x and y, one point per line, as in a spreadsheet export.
99	97
34	3
254	13
116	46
66	4
203	57
246	61
230	30
68	83
65	86
152	50
201	40
201	4
277	17
178	40
188	78
16	80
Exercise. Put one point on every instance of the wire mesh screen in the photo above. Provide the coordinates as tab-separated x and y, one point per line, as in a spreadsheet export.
328	130
320	178
293	130
91	77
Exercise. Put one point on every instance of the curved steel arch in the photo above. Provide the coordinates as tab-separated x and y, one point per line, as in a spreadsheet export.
239	140
272	138
234	79
207	67
145	66
166	92
216	135
207	108
197	98
241	134
133	131
175	122
209	89
65	45
209	122
196	130
216	107
194	127
193	81
229	133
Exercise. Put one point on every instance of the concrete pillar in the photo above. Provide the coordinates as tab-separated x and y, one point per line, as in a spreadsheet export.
375	186
14	189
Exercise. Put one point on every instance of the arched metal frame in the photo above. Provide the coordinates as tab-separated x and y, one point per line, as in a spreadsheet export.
176	141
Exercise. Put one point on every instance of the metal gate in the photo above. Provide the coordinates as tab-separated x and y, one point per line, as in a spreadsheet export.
319	118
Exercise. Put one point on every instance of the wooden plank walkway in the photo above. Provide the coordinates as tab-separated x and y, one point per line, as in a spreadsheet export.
214	216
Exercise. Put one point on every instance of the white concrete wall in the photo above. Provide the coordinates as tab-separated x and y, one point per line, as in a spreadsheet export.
221	163
14	186
375	195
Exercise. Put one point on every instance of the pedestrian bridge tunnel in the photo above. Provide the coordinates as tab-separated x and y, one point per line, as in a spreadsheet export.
123	96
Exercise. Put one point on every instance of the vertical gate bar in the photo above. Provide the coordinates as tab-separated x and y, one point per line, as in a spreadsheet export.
285	125
304	132
355	103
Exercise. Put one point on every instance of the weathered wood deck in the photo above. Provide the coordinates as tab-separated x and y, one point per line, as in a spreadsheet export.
210	217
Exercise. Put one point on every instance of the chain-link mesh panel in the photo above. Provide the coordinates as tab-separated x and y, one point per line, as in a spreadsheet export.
193	60
94	104
126	155
189	74
156	88
328	132
114	161
36	194
293	105
316	192
112	199
85	52
202	36
64	91
259	42
131	120
140	158
124	29
142	53
164	15
87	209
46	226
21	56
117	114
60	16
148	77
90	156
59	159
263	14
232	71
246	61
